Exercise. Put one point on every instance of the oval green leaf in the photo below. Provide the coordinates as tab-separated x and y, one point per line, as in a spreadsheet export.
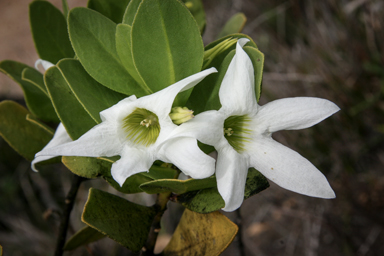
33	76
91	168
84	236
93	96
167	47
49	31
112	9
197	9
131	11
93	38
234	25
75	119
38	101
177	186
125	222
124	50
209	200
25	137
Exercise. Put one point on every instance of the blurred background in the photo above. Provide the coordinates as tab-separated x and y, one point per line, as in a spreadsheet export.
330	49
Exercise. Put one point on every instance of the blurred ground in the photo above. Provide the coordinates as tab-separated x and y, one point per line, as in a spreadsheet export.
328	49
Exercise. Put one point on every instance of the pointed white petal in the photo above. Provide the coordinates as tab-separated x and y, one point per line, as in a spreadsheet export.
120	110
231	174
60	137
206	127
46	64
237	92
132	161
161	101
288	169
293	114
101	140
187	156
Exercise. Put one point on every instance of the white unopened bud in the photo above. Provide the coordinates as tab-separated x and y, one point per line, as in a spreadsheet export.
181	115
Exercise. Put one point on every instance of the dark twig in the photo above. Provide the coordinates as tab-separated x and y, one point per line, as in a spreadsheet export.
160	206
69	200
239	223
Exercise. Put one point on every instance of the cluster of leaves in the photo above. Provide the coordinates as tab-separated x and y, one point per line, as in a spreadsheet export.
102	54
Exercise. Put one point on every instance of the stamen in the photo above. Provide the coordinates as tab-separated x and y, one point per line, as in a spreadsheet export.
228	131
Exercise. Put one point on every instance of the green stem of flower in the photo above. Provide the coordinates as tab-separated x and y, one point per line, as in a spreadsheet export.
160	206
69	201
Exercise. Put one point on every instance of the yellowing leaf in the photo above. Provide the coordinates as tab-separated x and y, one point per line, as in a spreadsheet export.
201	234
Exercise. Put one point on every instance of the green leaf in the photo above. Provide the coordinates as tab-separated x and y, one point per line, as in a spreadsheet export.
209	200
207	90
33	76
23	136
123	48
93	96
177	186
234	25
49	31
31	118
159	172
71	113
112	9
197	9
257	58
38	102
125	222
131	11
256	182
90	168
84	236
93	38
167	47
64	4
87	167
201	234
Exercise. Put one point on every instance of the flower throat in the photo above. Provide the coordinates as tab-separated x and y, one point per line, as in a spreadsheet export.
142	127
236	132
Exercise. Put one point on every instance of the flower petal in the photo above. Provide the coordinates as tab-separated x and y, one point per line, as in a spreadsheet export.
206	127
132	161
288	169
161	102
231	174
101	140
46	64
293	114
61	136
120	110
187	156
237	91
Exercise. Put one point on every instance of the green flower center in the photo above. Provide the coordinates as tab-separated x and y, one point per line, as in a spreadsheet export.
236	131
142	127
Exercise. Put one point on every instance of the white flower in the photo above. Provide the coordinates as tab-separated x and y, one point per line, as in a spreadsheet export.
60	137
138	130
241	133
45	64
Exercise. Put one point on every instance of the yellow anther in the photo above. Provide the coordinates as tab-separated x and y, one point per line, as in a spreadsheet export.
228	131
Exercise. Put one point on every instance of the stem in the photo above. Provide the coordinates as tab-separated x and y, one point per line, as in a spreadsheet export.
69	201
239	234
160	206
